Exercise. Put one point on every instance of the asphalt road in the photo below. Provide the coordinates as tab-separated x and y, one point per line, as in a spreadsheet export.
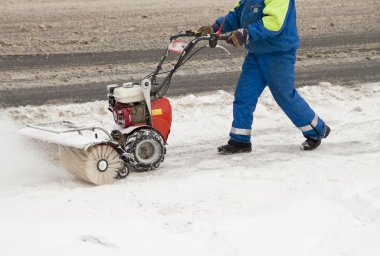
17	62
345	74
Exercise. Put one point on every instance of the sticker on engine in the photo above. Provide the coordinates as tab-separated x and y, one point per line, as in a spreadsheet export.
156	112
177	46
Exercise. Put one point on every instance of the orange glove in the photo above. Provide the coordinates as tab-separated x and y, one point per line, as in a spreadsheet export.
206	30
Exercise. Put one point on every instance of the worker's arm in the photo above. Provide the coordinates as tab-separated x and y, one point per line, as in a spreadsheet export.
232	19
273	22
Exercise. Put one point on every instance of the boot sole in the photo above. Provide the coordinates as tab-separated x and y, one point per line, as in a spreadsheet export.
234	153
320	141
327	132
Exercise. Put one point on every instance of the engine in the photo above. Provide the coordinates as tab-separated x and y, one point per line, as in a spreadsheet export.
127	104
127	115
129	108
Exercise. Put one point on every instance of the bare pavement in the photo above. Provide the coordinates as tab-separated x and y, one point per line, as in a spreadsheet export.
364	67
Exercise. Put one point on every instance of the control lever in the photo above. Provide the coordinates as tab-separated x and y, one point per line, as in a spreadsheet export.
221	47
224	49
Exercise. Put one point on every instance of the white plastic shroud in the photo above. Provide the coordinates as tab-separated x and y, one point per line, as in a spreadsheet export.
129	94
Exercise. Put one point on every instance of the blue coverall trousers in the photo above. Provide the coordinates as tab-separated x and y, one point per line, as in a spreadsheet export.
277	71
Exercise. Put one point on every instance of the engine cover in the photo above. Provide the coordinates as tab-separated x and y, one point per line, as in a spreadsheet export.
128	94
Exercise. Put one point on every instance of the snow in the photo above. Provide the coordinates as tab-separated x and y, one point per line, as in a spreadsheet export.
277	200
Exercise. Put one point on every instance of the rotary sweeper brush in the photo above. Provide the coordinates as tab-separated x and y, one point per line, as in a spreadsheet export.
143	119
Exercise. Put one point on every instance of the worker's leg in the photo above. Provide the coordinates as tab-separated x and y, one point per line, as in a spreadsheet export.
278	71
249	88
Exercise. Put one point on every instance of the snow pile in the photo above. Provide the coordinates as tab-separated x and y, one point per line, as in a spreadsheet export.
277	200
22	164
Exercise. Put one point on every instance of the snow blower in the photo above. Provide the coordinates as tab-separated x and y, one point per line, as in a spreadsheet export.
143	119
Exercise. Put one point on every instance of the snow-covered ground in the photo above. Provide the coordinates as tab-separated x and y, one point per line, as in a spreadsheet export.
277	200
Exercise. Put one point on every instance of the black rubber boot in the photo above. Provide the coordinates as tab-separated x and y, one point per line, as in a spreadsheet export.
311	144
234	147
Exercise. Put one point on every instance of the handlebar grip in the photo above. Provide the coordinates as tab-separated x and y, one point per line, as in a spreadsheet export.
192	33
224	37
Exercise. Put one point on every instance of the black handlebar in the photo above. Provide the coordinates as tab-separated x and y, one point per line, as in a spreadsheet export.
190	33
160	89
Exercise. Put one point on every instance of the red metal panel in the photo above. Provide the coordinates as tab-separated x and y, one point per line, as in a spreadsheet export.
162	116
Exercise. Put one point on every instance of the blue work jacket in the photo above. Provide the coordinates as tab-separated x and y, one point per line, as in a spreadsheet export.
271	24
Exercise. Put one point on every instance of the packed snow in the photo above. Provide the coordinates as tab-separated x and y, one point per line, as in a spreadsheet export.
277	200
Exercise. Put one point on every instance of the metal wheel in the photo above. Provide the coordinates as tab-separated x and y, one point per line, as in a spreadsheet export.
147	147
123	173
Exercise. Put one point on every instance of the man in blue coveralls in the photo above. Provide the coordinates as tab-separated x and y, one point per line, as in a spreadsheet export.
268	30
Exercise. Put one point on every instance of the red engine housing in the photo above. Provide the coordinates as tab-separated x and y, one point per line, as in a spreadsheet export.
123	115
